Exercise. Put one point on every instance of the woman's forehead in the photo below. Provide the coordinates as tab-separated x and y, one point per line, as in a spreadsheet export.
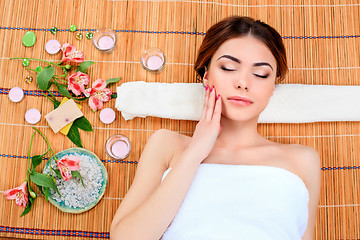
245	48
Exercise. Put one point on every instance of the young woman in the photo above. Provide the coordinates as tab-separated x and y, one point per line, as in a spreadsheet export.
226	181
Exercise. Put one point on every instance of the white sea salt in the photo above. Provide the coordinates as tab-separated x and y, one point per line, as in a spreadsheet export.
73	193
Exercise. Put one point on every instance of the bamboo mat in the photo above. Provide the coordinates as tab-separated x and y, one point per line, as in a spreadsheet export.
322	39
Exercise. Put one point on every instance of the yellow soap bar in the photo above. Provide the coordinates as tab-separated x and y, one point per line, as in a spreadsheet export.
63	115
65	130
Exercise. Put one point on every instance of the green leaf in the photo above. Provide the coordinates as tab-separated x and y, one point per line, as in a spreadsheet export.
84	66
44	77
43	180
40	188
63	91
46	193
83	124
53	99
81	99
28	206
74	136
77	174
36	160
58	173
112	80
56	104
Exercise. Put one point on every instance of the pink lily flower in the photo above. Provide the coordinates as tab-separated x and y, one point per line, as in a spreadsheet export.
76	82
20	194
70	54
98	94
66	165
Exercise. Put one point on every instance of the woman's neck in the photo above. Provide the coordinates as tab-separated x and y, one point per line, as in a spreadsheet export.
237	135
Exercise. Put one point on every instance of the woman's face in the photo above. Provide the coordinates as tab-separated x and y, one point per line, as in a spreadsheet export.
242	67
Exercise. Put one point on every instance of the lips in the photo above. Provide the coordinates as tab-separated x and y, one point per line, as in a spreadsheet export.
242	101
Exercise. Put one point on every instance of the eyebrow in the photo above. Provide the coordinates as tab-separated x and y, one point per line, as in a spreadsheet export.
263	64
230	57
238	61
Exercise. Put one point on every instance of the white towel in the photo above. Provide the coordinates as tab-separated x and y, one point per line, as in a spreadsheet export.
231	202
291	103
164	100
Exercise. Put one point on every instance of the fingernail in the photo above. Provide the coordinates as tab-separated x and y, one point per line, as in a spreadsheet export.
212	88
218	96
207	87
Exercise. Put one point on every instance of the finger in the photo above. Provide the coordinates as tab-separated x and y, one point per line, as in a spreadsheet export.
206	97
210	105
217	111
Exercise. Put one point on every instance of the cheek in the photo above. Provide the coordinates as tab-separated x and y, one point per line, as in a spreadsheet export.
215	79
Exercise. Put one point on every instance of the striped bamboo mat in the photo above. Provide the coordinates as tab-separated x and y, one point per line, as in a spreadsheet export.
322	39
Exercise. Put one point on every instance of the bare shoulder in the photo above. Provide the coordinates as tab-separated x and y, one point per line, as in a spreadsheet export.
304	155
168	143
307	162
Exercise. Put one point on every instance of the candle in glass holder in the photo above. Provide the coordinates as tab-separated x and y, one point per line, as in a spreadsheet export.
104	40
106	43
118	146
153	60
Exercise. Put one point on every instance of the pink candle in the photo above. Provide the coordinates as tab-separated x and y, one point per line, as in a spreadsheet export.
106	43
154	62
120	149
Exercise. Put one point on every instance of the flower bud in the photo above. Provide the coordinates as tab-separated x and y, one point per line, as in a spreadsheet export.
67	66
32	194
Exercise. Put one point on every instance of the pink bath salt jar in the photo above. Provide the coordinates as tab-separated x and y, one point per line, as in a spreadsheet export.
118	146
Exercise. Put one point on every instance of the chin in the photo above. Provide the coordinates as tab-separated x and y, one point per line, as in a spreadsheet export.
242	114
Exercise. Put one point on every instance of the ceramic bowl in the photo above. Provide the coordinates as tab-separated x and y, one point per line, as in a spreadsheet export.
80	151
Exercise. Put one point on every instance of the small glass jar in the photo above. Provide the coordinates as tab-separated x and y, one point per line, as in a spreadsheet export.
153	60
104	40
118	146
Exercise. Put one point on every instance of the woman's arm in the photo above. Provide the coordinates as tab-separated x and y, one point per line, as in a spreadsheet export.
150	205
312	167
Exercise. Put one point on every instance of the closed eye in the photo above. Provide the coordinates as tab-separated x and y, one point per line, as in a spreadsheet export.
261	76
227	69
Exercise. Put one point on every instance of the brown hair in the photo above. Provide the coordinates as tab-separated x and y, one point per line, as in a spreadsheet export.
237	26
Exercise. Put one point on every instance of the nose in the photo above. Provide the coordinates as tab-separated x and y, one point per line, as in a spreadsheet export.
242	81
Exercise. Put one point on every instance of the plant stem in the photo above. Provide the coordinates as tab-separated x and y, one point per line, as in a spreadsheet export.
30	69
46	141
60	78
47	97
40	60
64	69
29	158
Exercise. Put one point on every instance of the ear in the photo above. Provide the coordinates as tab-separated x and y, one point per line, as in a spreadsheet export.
273	89
205	77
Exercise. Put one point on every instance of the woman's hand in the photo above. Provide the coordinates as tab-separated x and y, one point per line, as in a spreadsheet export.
208	128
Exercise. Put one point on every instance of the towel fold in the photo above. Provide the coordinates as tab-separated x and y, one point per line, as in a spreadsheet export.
291	103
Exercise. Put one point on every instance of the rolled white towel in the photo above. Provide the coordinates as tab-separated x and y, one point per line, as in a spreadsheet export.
291	103
164	100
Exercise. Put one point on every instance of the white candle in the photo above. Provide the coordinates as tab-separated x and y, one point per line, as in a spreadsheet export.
120	149
154	62
32	116
106	43
107	115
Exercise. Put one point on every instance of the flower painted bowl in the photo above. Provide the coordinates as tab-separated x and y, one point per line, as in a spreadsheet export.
75	198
